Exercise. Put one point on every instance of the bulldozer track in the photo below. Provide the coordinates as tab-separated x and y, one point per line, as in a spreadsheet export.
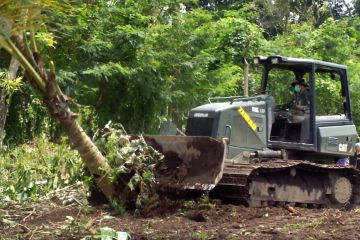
279	182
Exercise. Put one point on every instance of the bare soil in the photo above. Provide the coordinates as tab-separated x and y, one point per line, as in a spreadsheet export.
66	216
219	222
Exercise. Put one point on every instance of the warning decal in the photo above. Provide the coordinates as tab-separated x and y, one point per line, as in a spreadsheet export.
247	119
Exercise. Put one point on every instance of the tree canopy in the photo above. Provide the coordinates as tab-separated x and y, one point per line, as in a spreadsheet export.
143	62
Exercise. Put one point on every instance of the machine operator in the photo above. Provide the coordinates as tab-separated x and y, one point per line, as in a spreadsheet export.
299	104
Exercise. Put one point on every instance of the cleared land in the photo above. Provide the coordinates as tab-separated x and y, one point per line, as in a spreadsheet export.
65	215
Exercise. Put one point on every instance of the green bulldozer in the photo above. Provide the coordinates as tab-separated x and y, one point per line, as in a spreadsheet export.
248	149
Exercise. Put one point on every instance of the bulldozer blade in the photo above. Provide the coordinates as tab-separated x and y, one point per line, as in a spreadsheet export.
189	162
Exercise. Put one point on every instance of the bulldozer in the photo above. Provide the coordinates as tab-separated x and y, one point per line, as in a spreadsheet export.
247	148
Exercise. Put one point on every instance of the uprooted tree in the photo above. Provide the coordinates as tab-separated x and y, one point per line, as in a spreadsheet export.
19	22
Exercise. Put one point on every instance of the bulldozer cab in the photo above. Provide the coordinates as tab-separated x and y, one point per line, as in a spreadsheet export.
311	101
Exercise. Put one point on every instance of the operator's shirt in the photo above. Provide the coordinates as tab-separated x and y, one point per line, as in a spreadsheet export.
300	99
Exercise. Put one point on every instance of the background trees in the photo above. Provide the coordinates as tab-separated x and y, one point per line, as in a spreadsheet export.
141	62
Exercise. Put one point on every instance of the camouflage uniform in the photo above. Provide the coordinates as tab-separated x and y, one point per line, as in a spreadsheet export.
298	115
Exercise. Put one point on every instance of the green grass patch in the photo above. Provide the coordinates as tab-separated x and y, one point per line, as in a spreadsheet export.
304	225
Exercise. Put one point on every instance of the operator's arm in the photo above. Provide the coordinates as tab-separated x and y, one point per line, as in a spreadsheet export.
303	104
288	104
299	107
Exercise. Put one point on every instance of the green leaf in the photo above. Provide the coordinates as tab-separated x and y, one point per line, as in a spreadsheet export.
56	181
134	181
31	185
8	222
107	233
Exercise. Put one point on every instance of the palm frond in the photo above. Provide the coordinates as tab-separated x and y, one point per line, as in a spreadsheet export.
18	16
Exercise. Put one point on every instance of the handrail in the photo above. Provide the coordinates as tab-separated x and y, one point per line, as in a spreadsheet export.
232	98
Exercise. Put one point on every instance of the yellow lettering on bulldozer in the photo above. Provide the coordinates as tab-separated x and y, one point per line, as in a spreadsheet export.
247	119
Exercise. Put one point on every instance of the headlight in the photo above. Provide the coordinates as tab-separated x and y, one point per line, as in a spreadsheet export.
256	60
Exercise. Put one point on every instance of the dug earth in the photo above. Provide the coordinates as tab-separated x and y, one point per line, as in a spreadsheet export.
55	218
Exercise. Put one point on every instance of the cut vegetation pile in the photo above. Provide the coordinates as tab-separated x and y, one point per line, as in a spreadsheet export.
133	164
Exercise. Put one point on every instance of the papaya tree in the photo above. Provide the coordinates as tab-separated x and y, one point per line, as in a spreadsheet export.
19	22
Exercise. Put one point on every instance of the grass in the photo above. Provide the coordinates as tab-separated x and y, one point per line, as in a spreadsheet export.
199	235
316	223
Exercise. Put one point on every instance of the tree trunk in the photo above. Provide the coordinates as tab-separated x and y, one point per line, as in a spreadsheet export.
3	112
94	160
11	74
58	106
96	163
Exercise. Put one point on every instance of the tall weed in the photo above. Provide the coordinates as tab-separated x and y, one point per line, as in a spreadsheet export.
31	170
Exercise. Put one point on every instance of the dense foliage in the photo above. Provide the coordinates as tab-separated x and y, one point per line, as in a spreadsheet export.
142	62
30	171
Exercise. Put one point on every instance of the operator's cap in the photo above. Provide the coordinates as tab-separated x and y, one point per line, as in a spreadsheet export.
299	81
357	144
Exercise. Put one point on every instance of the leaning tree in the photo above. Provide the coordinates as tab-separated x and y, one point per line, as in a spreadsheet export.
19	22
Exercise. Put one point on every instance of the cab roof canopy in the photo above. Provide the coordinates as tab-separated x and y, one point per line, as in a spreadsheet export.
295	63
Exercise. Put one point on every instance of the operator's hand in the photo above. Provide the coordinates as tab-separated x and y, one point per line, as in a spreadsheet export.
299	107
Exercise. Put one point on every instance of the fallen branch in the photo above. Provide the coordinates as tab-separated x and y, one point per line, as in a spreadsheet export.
27	216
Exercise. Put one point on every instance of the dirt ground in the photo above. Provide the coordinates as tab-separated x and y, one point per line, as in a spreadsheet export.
55	219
